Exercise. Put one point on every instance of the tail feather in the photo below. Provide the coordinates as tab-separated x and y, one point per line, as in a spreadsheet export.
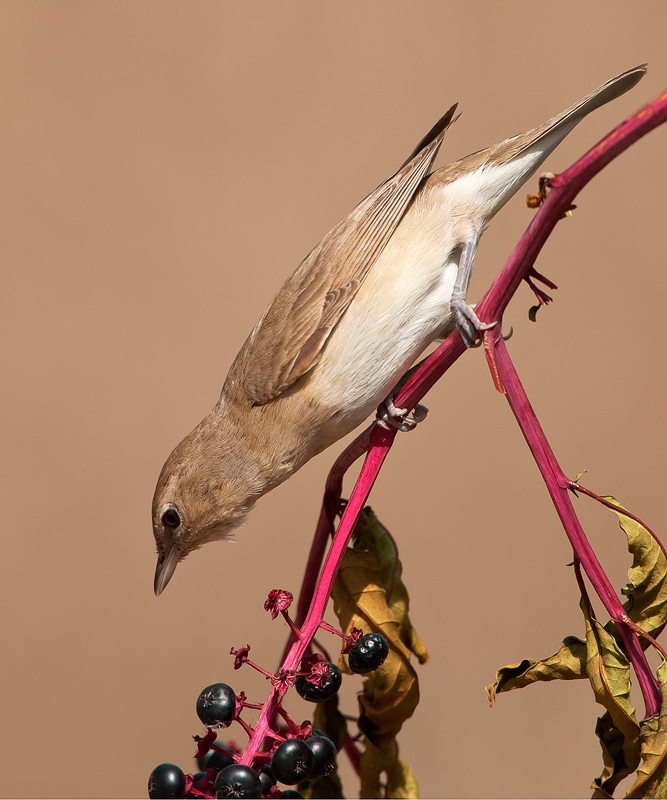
599	97
544	138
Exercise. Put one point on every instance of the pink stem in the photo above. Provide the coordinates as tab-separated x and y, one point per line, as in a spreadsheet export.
558	485
325	526
296	633
352	752
378	441
577	487
330	629
381	441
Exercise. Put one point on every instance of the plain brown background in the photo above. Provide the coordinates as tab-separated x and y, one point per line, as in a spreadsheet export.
165	166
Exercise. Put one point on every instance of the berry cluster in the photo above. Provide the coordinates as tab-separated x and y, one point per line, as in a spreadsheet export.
298	755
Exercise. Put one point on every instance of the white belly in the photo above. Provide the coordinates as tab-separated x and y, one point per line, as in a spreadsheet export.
404	303
401	307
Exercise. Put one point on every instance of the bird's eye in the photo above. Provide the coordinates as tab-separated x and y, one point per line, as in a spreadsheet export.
170	518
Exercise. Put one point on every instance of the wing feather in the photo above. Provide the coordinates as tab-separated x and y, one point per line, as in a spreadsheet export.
289	339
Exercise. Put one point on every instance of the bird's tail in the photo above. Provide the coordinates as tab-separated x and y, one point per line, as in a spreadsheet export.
559	126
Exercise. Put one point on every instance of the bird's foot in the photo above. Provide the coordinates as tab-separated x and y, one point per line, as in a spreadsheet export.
389	416
469	325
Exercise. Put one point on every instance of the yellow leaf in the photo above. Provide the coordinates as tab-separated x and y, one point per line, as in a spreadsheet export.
647	590
401	781
328	719
652	775
369	594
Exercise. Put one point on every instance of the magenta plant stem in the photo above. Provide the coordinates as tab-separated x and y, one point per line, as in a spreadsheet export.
378	441
558	485
325	527
577	487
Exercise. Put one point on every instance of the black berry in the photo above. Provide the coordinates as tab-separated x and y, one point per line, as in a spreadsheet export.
292	761
216	705
166	781
326	687
324	753
238	781
368	652
214	760
267	779
291	793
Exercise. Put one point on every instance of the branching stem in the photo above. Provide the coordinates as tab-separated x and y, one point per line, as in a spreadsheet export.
376	442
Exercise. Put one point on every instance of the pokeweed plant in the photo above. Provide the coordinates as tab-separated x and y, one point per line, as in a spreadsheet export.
370	598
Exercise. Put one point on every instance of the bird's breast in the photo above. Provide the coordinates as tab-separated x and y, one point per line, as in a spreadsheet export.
399	310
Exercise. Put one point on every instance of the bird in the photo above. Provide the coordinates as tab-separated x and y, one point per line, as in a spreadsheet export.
385	283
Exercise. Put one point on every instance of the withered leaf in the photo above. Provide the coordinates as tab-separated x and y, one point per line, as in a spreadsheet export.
369	594
599	659
608	671
401	781
327	718
614	758
369	575
603	662
652	775
567	663
647	590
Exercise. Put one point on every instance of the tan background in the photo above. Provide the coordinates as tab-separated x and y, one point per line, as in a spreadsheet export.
165	166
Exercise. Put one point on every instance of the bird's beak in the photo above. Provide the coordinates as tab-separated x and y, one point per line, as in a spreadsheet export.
166	564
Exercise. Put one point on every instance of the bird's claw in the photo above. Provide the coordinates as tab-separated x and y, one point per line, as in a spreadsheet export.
389	416
469	325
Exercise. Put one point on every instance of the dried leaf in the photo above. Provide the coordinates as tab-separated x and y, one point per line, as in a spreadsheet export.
567	663
612	743
371	537
401	781
369	594
601	660
328	719
647	590
608	670
652	775
369	574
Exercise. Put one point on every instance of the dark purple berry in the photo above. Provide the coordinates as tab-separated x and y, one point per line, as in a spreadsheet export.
326	687
214	760
291	793
238	780
292	761
166	781
324	753
368	653
267	779
216	705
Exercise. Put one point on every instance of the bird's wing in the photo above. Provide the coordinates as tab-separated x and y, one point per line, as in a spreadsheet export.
288	340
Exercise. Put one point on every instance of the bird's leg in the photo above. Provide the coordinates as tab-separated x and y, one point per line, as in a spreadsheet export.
402	418
468	323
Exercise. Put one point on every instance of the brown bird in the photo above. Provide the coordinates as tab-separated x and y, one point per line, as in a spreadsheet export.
370	297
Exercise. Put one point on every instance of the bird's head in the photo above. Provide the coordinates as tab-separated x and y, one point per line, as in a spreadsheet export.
206	487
